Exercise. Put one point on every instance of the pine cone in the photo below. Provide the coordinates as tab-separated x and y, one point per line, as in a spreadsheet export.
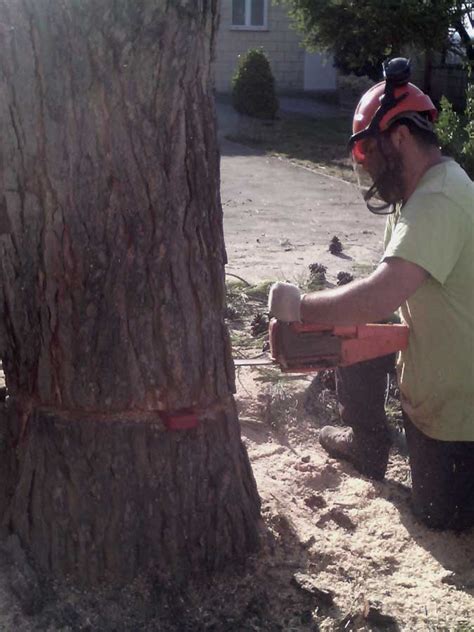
335	247
259	325
344	277
317	268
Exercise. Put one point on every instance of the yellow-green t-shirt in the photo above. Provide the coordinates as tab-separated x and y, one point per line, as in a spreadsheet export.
434	229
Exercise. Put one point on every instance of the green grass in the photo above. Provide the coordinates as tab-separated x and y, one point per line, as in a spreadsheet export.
362	270
259	292
244	301
316	143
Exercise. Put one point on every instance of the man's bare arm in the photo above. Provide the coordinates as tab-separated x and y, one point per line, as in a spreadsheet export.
368	300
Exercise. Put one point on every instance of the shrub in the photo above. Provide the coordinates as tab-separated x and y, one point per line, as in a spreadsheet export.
456	131
468	149
353	83
350	88
253	86
448	127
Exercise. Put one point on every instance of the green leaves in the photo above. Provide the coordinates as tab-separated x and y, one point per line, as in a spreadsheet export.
364	33
448	126
456	131
468	147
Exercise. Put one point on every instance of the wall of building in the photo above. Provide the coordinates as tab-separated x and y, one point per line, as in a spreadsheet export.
319	73
279	41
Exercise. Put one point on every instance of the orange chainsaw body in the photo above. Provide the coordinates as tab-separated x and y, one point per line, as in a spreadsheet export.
303	347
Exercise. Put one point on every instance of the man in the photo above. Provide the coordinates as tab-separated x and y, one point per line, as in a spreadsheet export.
427	271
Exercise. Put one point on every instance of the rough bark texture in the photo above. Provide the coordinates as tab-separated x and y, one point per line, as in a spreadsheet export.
113	290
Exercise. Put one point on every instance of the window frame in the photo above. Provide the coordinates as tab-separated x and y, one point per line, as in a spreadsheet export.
248	13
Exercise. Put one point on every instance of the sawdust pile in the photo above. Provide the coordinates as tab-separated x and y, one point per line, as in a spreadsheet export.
350	537
339	552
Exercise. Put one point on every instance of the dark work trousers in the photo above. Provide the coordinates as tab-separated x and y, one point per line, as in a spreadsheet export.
442	475
360	392
442	471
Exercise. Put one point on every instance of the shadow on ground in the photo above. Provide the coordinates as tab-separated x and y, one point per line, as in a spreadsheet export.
306	131
270	593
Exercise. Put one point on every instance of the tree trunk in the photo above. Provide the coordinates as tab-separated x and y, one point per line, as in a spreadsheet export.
113	293
428	71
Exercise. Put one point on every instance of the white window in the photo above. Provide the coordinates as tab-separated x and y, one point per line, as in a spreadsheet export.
249	14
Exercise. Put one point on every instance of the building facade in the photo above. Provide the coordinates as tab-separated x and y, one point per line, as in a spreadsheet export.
259	23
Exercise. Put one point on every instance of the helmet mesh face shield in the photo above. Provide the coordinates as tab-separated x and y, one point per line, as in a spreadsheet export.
375	201
368	188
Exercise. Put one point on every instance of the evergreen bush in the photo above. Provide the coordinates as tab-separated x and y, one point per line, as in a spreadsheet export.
253	86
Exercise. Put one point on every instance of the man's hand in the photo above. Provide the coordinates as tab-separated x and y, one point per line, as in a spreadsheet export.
284	302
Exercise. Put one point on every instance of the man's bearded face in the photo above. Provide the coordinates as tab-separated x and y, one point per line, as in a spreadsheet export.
384	164
386	168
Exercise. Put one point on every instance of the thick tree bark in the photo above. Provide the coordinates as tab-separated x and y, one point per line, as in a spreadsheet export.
113	291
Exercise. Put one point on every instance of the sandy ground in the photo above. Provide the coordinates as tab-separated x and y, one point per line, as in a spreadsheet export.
360	539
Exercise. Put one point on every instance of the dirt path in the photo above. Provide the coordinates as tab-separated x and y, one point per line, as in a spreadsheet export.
279	218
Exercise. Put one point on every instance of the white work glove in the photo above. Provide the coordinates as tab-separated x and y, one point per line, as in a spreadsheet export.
284	302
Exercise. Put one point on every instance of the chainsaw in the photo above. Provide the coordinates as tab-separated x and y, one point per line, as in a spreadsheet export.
305	348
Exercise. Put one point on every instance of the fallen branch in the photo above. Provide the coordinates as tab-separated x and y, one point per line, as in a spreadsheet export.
235	276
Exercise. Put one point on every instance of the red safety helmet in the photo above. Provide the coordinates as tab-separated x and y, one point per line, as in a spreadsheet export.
388	101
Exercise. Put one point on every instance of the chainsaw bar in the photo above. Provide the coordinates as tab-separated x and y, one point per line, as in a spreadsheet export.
264	361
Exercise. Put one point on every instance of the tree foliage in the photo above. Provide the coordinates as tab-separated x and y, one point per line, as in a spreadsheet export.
456	131
362	33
